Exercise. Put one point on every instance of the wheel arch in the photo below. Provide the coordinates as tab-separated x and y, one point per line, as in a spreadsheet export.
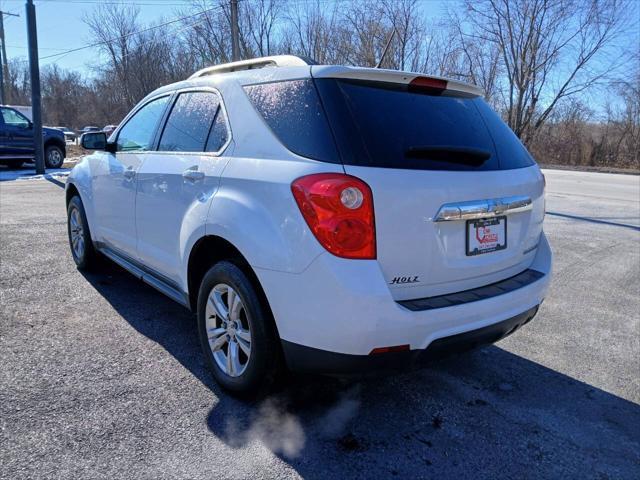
70	192
209	250
77	185
58	143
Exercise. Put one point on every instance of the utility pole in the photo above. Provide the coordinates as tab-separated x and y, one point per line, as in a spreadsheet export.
4	68
36	99
235	40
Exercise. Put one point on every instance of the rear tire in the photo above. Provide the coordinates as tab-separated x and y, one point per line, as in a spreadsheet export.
240	345
82	249
53	156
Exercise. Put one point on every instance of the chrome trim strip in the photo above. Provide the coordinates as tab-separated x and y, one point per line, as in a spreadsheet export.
148	277
483	208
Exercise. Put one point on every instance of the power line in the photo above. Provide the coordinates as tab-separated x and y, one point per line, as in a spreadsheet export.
183	2
129	34
173	32
39	48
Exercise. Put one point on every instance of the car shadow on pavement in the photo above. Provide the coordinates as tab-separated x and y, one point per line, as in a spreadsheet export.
55	181
488	413
595	220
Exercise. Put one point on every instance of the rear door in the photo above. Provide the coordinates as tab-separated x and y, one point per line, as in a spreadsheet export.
425	151
176	182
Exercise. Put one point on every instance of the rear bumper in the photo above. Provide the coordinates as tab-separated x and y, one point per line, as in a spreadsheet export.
307	359
345	307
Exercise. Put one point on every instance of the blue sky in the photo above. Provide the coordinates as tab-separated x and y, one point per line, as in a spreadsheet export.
60	28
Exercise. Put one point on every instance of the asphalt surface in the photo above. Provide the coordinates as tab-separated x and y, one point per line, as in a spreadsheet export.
101	376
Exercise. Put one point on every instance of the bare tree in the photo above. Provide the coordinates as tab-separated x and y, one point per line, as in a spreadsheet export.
114	26
314	30
260	19
63	93
17	83
535	59
550	50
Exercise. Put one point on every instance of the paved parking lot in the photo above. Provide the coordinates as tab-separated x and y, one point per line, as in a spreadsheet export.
102	377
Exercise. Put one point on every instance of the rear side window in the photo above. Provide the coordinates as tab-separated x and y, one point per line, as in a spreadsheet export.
219	134
293	111
384	125
139	131
196	124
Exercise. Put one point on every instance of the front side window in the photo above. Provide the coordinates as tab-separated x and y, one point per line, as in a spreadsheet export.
138	132
196	124
13	118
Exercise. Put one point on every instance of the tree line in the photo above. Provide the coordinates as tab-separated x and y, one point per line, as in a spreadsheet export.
541	63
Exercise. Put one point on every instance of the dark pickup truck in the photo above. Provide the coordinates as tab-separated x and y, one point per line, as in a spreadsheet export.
16	141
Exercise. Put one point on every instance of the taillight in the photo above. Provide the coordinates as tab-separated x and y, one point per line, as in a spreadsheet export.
339	211
544	194
427	85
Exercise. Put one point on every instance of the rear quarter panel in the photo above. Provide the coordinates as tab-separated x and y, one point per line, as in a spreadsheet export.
254	209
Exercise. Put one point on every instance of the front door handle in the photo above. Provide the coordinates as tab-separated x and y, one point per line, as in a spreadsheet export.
192	174
129	173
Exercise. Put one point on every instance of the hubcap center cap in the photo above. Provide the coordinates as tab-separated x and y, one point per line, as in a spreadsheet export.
231	329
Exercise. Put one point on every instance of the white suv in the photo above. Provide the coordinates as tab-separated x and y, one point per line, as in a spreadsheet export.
327	218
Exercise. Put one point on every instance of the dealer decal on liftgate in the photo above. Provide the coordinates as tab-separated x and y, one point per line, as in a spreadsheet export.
401	280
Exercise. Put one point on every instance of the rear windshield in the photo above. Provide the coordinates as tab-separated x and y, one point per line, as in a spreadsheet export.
384	125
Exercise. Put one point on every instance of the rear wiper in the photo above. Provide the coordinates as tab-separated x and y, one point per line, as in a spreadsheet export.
442	153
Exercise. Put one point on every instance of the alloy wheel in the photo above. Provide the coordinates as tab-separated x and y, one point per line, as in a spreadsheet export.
77	233
228	330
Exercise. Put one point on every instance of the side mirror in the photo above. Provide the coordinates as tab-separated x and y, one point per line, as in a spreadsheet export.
94	141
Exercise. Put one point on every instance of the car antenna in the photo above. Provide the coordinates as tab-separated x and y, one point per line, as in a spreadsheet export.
386	47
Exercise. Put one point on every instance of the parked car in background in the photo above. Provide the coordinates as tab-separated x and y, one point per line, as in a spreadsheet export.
17	145
89	129
352	218
109	129
69	135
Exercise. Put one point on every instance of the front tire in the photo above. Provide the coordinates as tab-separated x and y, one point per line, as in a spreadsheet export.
53	156
237	333
82	250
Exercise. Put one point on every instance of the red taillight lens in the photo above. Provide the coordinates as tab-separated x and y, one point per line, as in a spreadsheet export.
339	211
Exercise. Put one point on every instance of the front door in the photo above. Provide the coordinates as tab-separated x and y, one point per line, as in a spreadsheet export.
115	178
177	182
17	134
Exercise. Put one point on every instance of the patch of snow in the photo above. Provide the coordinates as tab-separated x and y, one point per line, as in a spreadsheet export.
28	174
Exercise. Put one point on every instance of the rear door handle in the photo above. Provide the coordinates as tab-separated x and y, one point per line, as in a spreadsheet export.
192	174
129	173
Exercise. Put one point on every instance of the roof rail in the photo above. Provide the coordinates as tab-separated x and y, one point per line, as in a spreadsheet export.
261	62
